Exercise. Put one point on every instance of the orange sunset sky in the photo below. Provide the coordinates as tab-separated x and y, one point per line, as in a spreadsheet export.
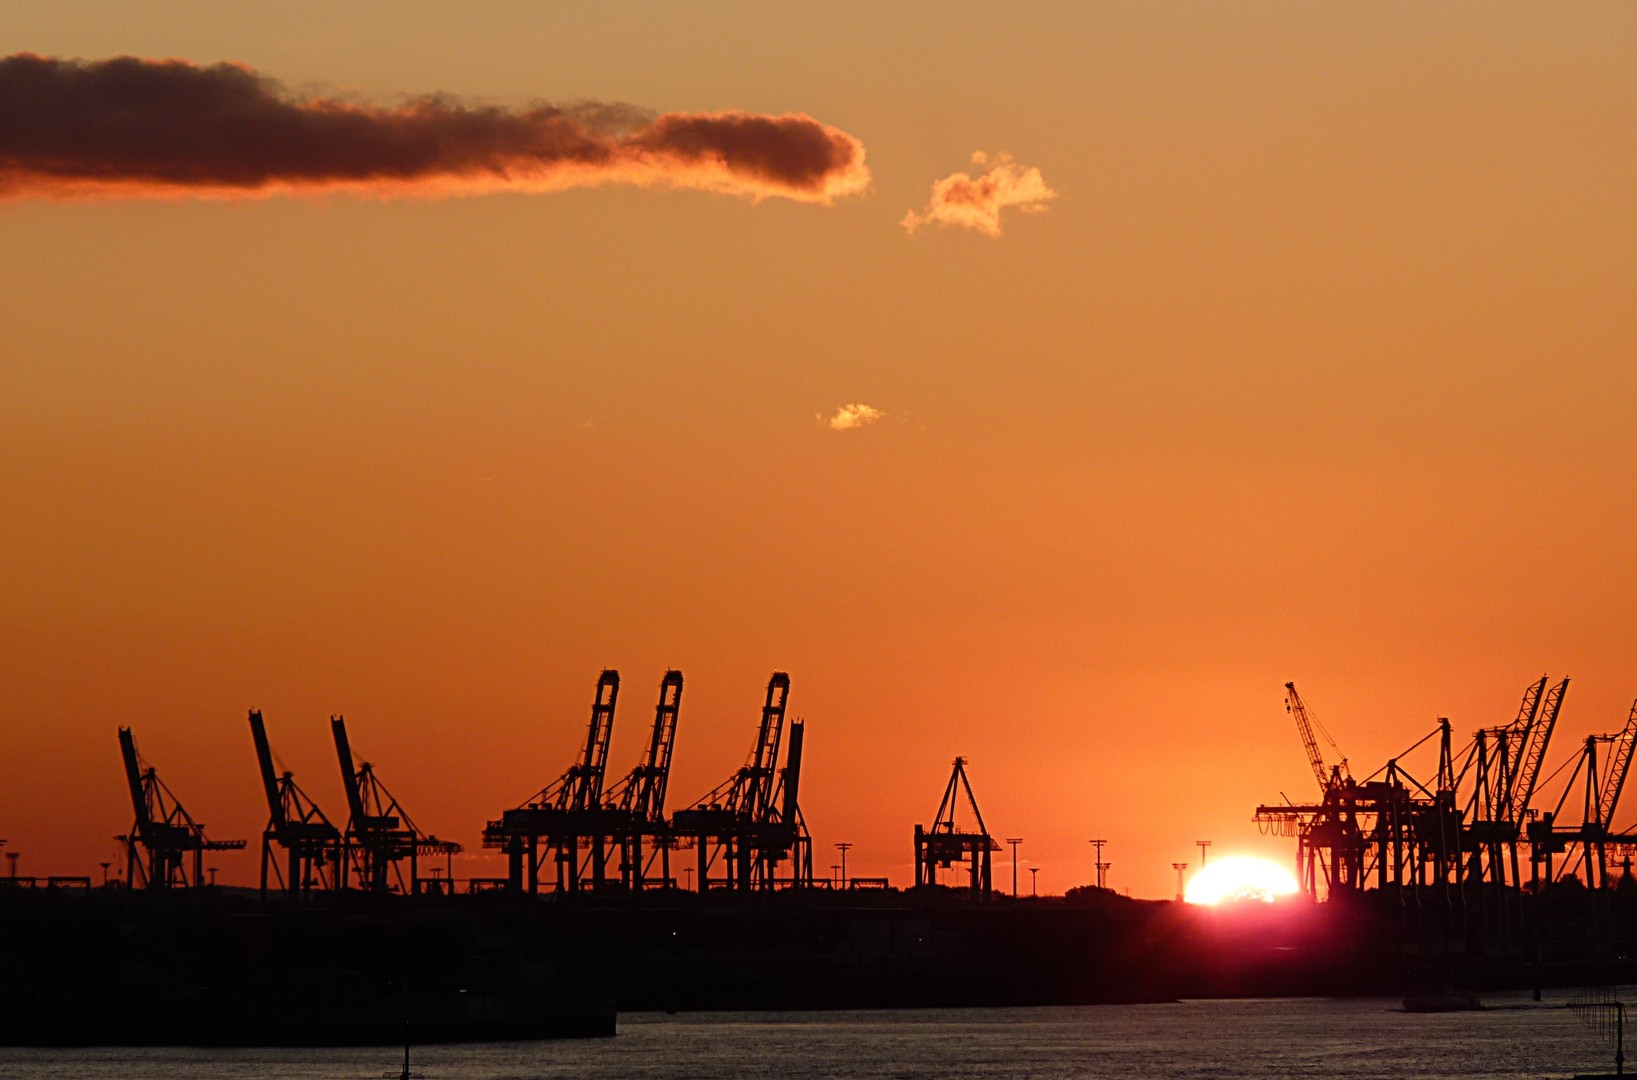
1319	366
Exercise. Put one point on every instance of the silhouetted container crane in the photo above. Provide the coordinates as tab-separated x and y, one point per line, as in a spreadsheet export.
750	825
1504	763
380	836
312	846
946	843
566	813
166	847
1392	830
637	802
1585	843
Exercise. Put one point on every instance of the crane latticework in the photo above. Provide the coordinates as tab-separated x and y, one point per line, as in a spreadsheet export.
1306	726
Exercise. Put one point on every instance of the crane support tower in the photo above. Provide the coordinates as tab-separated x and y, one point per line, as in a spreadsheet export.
567	815
165	848
312	846
747	828
946	843
380	836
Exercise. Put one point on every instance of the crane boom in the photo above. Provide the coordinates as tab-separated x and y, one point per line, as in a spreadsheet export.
269	776
133	777
1510	742
1531	749
1327	777
585	780
790	783
349	776
765	758
1619	765
660	747
642	792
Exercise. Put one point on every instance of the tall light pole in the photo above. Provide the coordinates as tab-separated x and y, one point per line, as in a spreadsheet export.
1179	867
835	875
842	847
1014	842
11	857
1202	844
1102	867
1034	878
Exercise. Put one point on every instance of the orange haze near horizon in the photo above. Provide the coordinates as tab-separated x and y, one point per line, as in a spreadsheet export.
1318	368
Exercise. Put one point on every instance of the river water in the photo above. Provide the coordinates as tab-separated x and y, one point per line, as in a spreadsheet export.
1318	1038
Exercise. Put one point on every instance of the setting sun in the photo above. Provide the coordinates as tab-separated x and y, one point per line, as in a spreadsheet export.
1240	877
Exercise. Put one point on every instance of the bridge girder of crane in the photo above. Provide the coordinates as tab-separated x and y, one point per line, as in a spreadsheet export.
533	835
1377	833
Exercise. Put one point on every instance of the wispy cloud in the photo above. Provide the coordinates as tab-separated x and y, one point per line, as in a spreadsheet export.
134	128
976	202
855	415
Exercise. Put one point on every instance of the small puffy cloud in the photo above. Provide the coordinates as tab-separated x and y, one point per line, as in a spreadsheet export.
850	416
976	202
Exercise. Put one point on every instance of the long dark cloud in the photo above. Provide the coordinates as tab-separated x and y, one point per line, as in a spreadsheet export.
127	127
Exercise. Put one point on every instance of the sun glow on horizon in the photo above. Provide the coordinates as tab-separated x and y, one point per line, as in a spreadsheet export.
1240	877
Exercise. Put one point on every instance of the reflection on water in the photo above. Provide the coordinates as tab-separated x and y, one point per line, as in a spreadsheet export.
1315	1038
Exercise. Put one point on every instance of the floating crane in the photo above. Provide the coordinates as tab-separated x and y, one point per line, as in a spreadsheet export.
639	799
380	836
752	823
568	811
164	835
312	846
946	843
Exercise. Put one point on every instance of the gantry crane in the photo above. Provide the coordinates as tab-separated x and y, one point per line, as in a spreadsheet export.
638	801
947	843
1603	778
565	814
312	846
1504	764
1391	828
1394	830
164	834
1330	842
752	823
380	836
